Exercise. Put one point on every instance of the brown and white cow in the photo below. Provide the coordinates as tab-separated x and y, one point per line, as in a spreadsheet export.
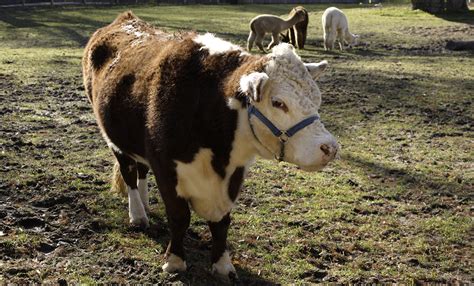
196	110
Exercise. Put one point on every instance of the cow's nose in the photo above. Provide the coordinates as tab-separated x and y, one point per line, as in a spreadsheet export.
330	149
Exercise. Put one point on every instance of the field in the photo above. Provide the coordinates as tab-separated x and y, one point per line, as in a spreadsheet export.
397	207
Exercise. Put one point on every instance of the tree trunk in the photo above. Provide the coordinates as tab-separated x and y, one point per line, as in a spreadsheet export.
438	6
430	6
456	6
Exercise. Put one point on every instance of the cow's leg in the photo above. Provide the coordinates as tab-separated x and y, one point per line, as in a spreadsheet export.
177	211
143	185
136	210
220	256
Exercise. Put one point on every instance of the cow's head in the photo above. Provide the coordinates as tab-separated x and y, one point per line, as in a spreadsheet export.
286	94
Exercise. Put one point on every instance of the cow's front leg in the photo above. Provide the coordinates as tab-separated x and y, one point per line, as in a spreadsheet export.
179	216
220	256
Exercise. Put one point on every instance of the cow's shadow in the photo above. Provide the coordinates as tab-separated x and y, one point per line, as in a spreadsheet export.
198	251
466	17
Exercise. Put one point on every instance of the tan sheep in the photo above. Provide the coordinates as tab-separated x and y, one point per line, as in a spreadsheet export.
263	24
335	26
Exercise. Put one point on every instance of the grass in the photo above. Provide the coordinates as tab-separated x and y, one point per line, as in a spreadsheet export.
396	208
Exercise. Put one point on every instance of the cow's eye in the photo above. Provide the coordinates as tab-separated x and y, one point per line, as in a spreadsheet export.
279	104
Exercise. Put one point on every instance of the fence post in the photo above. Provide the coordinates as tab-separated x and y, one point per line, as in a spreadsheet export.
52	2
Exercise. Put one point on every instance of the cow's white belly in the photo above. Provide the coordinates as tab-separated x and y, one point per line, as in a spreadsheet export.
205	190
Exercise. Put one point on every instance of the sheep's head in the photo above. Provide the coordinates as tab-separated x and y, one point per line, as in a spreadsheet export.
352	40
286	93
300	15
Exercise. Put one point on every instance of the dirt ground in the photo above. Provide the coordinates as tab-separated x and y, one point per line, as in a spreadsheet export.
68	228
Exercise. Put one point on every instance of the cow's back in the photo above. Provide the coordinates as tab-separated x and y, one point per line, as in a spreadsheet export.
121	67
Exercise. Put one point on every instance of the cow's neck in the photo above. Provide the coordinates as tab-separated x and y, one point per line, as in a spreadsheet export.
245	143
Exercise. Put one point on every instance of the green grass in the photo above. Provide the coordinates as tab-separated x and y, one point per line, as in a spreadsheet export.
397	207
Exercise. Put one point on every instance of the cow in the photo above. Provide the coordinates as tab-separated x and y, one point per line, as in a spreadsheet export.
196	110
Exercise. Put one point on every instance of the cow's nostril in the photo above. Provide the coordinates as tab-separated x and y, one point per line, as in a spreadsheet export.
326	149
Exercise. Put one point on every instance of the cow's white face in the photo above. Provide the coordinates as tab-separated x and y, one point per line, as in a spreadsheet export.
286	93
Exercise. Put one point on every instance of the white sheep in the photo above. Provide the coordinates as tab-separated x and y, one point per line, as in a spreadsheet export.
335	26
263	24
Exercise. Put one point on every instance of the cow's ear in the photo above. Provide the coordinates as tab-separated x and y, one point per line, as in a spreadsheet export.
316	69
253	84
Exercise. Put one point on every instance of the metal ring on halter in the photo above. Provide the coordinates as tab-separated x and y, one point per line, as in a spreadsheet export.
284	137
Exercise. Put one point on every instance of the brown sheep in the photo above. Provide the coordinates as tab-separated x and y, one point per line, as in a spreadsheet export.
296	35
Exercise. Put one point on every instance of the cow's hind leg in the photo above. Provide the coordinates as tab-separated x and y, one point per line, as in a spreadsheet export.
220	256
143	185
136	209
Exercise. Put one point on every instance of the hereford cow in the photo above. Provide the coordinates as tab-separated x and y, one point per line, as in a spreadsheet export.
196	110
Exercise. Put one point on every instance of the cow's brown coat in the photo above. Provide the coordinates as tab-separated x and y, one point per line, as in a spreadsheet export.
162	97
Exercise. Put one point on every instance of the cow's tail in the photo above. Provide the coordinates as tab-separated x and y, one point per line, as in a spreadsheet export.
118	184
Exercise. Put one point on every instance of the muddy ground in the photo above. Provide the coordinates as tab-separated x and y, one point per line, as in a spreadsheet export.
55	202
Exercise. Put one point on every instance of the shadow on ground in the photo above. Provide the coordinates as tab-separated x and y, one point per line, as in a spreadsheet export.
461	17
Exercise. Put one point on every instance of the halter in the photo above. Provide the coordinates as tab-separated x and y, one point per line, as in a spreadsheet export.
283	136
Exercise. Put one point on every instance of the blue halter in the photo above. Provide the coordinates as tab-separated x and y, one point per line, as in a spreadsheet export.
283	136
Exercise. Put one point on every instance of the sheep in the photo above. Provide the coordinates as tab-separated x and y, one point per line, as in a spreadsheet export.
335	25
296	35
270	24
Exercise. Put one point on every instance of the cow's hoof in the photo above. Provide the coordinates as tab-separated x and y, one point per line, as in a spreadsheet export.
224	267
174	264
141	223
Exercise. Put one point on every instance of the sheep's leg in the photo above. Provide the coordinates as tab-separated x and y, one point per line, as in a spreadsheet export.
331	38
326	41
250	40
275	41
292	34
296	35
340	39
258	42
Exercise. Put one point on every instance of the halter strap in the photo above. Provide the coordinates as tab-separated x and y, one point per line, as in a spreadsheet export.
283	136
